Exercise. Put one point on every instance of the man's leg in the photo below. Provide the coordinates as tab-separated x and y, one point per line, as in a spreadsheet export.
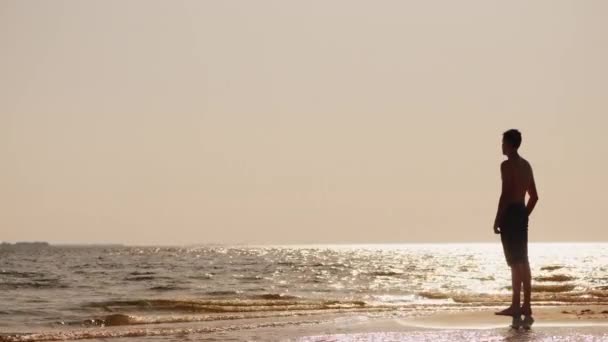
516	281
527	281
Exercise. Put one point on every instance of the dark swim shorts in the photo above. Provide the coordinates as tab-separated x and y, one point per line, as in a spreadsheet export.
514	233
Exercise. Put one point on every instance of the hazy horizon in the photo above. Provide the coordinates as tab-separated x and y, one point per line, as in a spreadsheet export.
267	122
377	245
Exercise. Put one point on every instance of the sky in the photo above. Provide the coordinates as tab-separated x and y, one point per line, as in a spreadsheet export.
297	122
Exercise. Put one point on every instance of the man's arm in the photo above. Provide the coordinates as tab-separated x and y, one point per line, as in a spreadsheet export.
532	193
501	202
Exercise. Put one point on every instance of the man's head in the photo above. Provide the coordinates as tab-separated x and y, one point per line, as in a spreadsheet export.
511	140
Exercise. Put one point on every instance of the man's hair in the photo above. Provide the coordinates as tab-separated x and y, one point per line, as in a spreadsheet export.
513	137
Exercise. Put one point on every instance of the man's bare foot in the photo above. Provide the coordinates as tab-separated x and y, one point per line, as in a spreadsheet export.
527	322
510	311
516	323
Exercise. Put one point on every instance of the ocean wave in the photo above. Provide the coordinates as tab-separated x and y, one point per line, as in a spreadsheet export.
118	319
145	276
110	320
549	288
205	276
434	295
23	274
551	267
386	273
37	284
223	293
553	288
167	288
286	263
602	293
138	273
259	303
140	278
554	294
276	296
255	278
465	298
555	277
28	280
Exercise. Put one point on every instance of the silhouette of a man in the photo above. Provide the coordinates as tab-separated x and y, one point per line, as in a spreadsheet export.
512	220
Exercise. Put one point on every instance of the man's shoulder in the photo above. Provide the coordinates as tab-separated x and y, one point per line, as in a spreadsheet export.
526	162
525	166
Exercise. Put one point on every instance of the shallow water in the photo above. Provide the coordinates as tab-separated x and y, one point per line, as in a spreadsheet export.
143	292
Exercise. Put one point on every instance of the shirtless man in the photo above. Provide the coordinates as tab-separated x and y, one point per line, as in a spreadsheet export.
512	220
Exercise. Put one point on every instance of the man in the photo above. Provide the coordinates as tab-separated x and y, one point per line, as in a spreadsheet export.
512	221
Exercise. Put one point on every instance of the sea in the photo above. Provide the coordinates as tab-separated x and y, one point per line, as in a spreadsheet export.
216	292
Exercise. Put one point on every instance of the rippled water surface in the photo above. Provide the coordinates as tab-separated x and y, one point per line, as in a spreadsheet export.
73	290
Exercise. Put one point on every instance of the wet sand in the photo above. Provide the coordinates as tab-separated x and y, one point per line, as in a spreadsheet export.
559	323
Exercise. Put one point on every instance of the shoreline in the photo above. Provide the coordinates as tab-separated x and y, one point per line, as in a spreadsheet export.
563	321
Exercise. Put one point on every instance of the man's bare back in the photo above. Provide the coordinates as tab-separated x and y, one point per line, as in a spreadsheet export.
517	180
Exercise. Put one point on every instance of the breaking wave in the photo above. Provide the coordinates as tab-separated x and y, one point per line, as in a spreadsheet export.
259	303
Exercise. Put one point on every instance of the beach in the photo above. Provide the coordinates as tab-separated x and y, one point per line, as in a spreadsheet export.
572	323
552	324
